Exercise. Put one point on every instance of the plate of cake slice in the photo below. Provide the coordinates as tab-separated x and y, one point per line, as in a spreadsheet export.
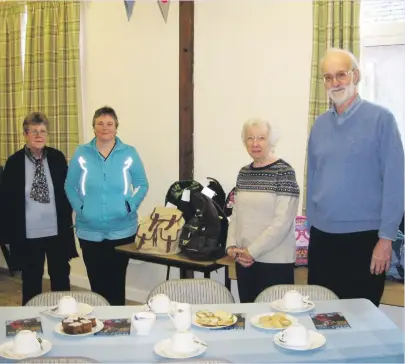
79	326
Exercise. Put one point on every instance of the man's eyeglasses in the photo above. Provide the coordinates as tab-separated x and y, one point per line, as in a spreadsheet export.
38	132
340	76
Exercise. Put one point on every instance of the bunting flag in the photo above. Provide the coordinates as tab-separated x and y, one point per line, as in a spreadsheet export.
164	8
129	7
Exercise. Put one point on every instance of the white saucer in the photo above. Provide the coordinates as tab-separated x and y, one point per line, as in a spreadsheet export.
163	348
99	326
316	340
278	305
255	321
6	350
83	310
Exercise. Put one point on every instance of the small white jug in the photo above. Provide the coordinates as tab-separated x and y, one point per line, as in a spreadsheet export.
181	316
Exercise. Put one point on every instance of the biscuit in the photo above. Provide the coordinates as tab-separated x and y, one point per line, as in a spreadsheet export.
276	321
210	319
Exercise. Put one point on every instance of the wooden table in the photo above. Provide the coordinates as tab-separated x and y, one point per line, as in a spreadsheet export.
177	260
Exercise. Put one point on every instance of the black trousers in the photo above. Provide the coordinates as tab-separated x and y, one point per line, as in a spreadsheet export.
259	276
106	268
341	262
32	266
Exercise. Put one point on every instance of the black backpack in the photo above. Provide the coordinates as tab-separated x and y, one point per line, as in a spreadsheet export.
204	234
220	195
175	193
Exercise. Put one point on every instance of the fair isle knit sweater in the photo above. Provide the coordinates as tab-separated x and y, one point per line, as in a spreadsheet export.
263	217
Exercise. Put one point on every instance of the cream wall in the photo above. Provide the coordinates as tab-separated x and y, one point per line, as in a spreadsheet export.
133	67
252	58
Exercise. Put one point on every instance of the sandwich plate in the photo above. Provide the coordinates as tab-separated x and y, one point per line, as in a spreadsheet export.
209	322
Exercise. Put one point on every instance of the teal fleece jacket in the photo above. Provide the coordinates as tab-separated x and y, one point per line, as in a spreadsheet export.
106	193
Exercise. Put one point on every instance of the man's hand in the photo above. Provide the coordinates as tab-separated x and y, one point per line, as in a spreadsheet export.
381	259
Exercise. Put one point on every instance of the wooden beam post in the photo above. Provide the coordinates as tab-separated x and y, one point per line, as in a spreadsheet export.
186	90
186	98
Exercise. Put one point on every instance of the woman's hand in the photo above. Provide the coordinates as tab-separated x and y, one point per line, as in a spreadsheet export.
244	258
233	251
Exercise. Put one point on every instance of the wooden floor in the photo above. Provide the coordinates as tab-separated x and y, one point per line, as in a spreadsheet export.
10	289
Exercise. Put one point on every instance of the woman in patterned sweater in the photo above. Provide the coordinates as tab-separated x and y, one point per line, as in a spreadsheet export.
261	236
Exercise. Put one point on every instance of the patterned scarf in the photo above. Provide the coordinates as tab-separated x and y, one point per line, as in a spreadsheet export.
39	188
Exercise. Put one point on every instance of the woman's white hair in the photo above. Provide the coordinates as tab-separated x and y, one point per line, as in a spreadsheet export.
272	134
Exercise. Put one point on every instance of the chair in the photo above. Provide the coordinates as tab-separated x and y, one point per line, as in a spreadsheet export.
52	298
194	291
60	360
314	292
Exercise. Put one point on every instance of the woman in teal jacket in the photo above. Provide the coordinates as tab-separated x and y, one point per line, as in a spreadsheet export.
106	183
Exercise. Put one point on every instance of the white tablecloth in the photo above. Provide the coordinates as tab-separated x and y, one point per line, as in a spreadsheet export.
371	338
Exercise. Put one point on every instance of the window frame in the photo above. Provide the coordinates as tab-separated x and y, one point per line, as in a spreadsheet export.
383	34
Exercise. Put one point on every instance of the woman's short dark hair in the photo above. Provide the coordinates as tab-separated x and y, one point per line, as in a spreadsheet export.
106	110
35	118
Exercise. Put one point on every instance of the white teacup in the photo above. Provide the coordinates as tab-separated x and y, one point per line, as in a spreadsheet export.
183	342
67	305
294	300
160	303
26	342
295	335
182	316
143	322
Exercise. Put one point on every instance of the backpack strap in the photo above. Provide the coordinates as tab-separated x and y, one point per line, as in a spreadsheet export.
169	243
142	238
155	218
172	221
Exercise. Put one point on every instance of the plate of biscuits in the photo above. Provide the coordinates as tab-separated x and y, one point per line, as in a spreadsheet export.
273	320
214	320
79	326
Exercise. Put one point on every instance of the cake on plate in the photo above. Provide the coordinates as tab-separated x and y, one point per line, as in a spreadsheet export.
76	325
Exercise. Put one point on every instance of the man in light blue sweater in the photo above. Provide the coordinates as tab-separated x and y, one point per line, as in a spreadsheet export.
355	187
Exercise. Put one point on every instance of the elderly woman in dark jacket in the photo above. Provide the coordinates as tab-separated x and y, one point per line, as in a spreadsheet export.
36	216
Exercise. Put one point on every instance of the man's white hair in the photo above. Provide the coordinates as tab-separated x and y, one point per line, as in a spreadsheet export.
354	61
272	135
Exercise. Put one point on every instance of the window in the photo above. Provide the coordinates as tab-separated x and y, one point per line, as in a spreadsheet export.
382	28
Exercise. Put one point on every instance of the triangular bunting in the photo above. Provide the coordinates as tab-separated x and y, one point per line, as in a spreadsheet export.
129	7
164	8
